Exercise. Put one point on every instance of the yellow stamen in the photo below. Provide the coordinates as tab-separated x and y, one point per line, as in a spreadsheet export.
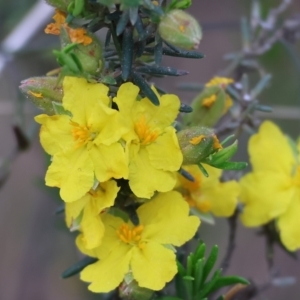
131	236
79	36
197	139
81	134
209	101
216	144
144	132
37	95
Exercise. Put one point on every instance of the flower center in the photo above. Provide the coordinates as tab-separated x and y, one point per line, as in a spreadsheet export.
144	132
81	134
130	236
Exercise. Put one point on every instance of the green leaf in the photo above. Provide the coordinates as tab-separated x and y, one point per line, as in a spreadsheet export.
78	267
198	274
211	260
206	289
185	108
229	165
202	169
182	53
200	251
228	280
262	84
59	109
122	23
127	53
186	175
145	88
160	70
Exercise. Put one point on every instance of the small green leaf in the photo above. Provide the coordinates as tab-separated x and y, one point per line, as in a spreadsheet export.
59	109
202	169
198	274
186	175
228	280
78	267
182	53
230	165
211	260
185	108
200	251
207	287
205	217
262	84
160	70
145	88
123	21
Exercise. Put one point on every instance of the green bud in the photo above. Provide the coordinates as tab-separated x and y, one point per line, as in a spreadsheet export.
89	56
60	4
197	143
180	29
129	290
42	91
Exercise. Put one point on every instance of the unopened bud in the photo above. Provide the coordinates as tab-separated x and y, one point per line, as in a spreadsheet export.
88	50
211	104
60	4
42	91
197	143
130	290
180	29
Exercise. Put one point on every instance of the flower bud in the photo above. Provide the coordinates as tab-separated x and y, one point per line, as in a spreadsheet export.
88	50
197	143
60	4
180	29
211	104
130	290
42	91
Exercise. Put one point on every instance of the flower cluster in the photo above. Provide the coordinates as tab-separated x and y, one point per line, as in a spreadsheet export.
96	145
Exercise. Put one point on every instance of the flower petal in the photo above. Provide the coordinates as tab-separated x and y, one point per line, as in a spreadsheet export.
164	153
222	197
73	172
73	209
269	150
144	179
55	133
153	266
266	195
166	219
80	97
109	161
289	223
105	275
126	97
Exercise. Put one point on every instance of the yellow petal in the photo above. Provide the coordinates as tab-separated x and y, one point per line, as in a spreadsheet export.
153	266
166	219
160	116
92	228
109	161
73	209
269	150
266	195
164	153
105	275
126	97
55	133
222	197
289	224
80	97
144	179
73	173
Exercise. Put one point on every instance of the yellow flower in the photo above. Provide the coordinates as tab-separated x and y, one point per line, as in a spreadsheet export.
272	190
88	210
86	144
154	153
141	249
208	194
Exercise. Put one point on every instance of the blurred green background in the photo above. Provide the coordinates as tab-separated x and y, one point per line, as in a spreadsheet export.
35	246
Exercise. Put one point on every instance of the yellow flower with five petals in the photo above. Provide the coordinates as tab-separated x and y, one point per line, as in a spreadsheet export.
272	189
154	153
141	249
86	144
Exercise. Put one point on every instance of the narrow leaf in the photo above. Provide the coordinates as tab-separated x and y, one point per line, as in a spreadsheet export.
145	88
127	53
185	108
123	21
202	169
211	260
186	175
228	280
182	53
160	70
78	267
